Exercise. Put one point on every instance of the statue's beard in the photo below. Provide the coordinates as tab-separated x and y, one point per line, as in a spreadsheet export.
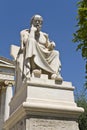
38	28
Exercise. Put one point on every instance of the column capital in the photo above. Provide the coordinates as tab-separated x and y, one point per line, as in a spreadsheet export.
4	83
9	82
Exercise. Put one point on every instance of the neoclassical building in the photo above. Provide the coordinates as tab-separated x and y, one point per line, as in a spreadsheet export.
7	75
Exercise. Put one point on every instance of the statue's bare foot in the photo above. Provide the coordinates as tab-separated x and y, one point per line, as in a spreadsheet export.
56	77
37	73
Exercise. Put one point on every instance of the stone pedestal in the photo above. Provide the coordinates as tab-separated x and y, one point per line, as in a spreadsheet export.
42	104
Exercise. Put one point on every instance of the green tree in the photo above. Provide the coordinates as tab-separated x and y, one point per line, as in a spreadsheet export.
82	102
80	36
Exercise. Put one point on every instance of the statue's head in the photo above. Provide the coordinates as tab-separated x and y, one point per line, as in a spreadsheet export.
37	21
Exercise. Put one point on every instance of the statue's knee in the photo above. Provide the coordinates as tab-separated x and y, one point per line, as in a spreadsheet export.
56	52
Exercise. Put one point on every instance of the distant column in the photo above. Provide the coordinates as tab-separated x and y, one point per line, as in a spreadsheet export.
9	95
2	103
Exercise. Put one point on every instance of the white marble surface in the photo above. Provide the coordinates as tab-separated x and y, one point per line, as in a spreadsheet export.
43	92
2	107
43	97
9	95
7	72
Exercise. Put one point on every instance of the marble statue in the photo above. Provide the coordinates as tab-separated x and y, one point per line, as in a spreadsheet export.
36	53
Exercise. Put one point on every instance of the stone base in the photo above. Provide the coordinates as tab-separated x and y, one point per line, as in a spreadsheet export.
43	104
51	124
43	123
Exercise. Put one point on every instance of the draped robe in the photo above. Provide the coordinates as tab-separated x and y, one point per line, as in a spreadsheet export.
44	58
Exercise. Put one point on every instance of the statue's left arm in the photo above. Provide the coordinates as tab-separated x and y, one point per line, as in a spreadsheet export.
49	44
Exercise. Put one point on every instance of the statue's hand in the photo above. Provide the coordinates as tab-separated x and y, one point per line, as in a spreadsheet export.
33	29
51	46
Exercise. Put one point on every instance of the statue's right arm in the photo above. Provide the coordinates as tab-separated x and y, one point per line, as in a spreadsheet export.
24	35
32	32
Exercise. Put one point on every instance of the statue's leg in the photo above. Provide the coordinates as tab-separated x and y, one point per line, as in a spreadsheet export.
56	66
27	69
35	70
28	56
55	62
31	51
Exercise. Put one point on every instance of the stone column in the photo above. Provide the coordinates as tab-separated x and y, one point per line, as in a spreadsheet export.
9	94
2	102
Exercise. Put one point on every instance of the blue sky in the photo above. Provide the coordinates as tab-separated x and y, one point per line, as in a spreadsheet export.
59	22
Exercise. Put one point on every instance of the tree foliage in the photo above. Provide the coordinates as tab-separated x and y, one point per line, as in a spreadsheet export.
83	118
80	36
82	102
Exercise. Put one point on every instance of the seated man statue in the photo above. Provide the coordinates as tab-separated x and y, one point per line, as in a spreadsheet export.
38	52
